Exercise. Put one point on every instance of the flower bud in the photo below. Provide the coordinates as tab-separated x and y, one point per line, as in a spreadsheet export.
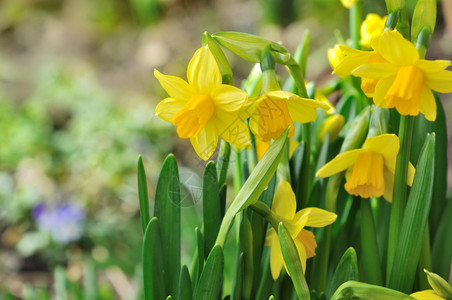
250	47
441	287
358	131
372	27
424	16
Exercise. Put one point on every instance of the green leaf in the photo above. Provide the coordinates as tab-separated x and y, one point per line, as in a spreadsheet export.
442	244
198	262
440	182
153	262
347	269
254	185
185	286
266	280
211	209
237	284
293	263
414	220
364	291
424	16
210	282
143	195
246	245
223	197
167	210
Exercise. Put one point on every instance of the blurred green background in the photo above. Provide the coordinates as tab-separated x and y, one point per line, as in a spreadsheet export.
77	100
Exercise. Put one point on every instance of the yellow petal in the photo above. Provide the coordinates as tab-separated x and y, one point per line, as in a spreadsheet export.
295	225
284	202
276	258
396	49
228	97
231	128
341	162
387	145
411	172
176	87
426	295
439	81
318	217
389	185
353	59
307	238
203	73
293	145
304	110
205	142
428	104
376	71
381	89
167	108
432	66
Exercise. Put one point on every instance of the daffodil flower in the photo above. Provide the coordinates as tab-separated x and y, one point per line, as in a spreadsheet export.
405	81
356	58
284	207
271	113
369	170
203	108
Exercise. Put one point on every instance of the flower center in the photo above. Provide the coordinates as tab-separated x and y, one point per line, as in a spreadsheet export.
193	117
405	92
367	178
274	118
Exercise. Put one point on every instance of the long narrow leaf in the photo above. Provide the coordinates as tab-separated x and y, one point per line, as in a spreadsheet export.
211	206
167	210
347	269
211	280
143	195
365	291
153	265
414	221
185	291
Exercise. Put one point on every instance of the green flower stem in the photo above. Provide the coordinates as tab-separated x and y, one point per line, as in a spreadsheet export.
303	192
399	197
297	74
332	190
356	18
223	162
265	211
238	172
283	167
391	21
369	244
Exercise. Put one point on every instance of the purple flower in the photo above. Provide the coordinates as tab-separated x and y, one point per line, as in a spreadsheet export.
63	221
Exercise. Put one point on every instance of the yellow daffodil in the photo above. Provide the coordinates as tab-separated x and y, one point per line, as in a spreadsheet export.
405	81
262	147
284	207
348	3
369	170
371	28
271	113
356	58
203	108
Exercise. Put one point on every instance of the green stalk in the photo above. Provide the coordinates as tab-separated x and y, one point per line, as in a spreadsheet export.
332	190
356	18
297	74
265	211
400	188
238	172
369	244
